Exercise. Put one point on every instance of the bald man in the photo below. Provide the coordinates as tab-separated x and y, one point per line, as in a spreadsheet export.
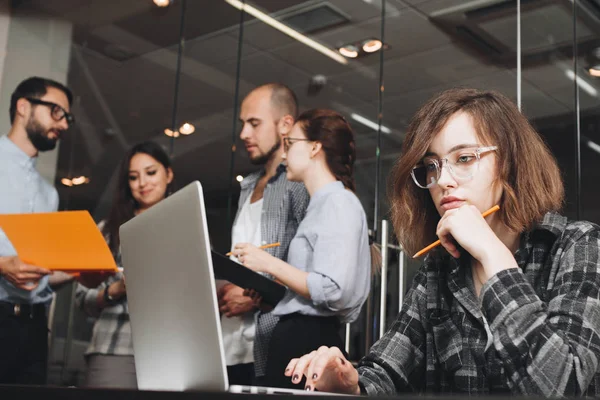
270	209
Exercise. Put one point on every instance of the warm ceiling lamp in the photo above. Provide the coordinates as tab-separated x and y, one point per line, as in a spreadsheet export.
349	51
80	180
371	45
170	133
187	129
594	71
162	3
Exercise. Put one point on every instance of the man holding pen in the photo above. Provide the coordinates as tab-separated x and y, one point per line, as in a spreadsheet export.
270	210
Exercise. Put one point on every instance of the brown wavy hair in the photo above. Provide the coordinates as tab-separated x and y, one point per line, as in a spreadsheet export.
527	171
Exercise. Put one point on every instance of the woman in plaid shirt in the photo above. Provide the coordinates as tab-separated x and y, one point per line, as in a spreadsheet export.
509	303
145	178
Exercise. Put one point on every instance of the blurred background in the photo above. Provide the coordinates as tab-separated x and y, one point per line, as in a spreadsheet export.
174	71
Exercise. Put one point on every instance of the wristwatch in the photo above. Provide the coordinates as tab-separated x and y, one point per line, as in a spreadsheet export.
108	299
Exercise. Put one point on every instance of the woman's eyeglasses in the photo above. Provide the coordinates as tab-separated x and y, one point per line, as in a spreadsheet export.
462	164
56	112
289	141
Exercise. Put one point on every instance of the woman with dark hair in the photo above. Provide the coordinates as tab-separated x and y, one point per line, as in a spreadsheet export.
328	266
145	178
508	304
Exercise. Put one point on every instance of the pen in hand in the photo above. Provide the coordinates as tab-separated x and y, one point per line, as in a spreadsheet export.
266	246
438	242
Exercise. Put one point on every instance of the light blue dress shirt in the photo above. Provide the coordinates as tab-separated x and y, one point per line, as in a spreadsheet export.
22	190
332	245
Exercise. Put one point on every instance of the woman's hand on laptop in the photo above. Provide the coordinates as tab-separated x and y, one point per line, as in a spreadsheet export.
326	370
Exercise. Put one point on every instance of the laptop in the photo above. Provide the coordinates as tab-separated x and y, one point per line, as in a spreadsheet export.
172	299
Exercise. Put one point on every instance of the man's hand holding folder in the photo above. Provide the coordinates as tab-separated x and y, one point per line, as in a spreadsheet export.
20	274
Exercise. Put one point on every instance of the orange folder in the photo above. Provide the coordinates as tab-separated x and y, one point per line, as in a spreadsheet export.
66	241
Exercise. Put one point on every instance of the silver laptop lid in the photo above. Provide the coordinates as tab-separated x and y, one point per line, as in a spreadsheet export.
172	297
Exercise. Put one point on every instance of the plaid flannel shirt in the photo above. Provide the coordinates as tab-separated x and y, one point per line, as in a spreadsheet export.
544	318
111	334
284	206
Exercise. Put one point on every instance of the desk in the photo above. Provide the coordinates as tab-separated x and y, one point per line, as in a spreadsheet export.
53	392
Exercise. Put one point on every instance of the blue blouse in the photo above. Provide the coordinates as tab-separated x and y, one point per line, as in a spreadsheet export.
332	245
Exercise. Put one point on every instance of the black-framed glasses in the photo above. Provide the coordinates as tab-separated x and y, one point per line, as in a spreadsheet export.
289	141
56	112
462	164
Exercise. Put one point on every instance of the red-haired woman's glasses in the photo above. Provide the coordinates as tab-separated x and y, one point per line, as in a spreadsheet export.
289	141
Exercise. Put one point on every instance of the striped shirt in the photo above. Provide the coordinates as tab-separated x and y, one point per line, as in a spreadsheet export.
544	318
284	206
112	331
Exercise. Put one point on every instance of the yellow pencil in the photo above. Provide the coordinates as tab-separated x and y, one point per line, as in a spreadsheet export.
266	246
437	242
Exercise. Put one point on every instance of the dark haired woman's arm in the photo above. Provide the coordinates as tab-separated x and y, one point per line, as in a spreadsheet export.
550	348
396	363
86	299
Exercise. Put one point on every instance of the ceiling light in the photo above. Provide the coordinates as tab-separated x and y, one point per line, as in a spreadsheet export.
187	129
594	146
170	133
287	30
80	180
594	71
582	83
371	45
349	51
66	182
368	123
162	3
239	178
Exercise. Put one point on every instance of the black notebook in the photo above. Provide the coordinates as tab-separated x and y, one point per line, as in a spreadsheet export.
237	274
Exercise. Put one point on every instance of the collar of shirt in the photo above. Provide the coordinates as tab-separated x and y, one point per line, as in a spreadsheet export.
546	231
18	155
251	179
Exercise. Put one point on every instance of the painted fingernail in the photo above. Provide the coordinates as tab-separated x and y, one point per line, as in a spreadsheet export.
308	388
295	378
314	376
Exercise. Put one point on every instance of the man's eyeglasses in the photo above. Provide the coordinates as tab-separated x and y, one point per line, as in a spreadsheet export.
289	141
56	112
462	164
